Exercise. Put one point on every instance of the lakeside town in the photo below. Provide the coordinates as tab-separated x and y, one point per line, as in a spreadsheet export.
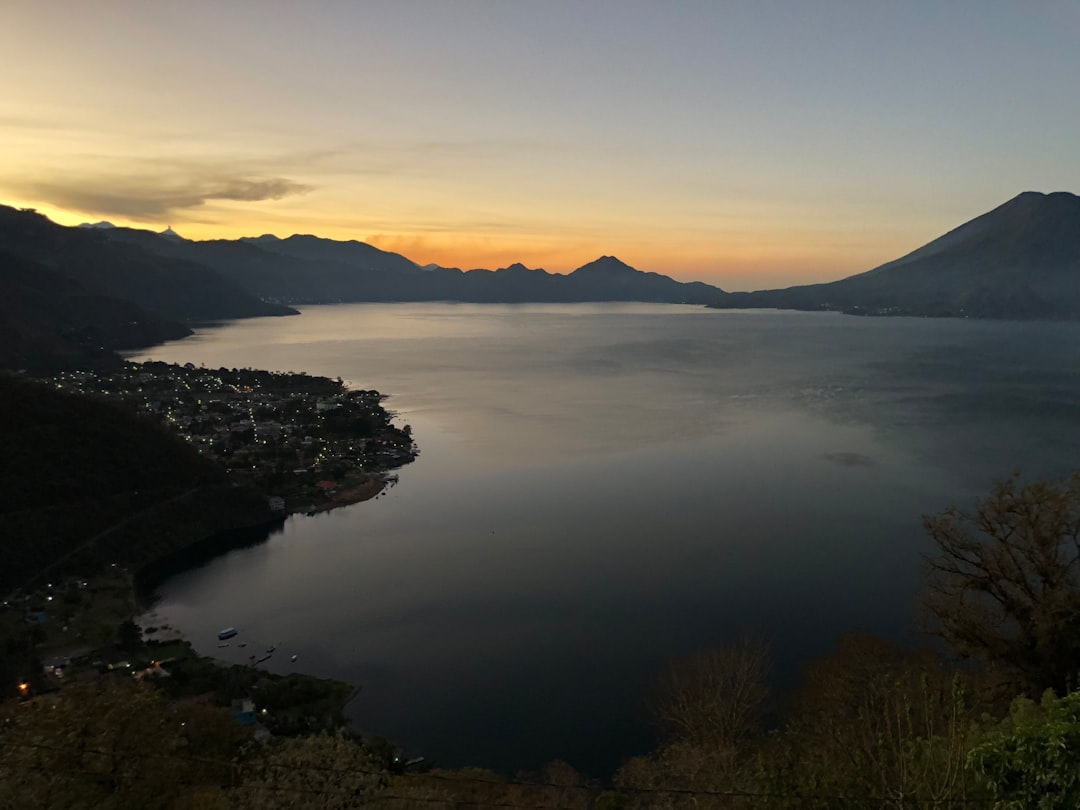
290	441
308	442
83	635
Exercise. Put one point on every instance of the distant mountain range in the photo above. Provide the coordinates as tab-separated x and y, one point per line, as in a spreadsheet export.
77	294
304	269
73	295
1018	261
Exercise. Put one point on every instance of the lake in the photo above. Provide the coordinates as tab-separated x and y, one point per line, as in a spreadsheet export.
602	487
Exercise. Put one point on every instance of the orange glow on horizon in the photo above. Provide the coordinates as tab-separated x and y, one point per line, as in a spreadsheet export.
752	261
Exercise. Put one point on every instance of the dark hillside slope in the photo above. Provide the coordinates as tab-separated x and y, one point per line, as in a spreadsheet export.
75	467
308	269
609	279
67	447
297	270
352	253
1018	261
49	320
171	289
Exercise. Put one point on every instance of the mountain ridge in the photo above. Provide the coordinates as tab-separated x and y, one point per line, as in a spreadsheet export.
307	269
1020	260
78	293
73	296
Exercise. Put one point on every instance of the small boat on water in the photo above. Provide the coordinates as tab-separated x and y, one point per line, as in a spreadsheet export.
293	659
228	632
223	644
264	658
270	649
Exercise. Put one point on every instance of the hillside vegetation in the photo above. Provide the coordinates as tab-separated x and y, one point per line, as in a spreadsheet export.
99	482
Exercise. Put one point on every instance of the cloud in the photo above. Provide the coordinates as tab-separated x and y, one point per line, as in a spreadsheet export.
152	199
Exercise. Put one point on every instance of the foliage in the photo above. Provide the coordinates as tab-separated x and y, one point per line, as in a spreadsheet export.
119	744
1034	761
296	703
709	708
717	695
875	724
112	744
558	785
1005	584
331	772
877	719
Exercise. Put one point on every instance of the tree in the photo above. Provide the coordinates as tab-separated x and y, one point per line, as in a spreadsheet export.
709	708
113	744
327	771
1034	762
875	719
1005	584
717	695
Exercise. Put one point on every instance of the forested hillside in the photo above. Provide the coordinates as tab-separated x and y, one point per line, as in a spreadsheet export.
93	478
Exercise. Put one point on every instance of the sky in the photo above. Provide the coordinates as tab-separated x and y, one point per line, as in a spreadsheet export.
746	144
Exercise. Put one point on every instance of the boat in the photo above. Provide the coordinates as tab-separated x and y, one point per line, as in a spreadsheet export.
223	644
228	632
293	659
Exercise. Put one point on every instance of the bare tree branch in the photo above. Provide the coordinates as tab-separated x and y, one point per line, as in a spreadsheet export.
1005	583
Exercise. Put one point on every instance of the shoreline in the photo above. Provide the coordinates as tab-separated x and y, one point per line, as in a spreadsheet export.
359	493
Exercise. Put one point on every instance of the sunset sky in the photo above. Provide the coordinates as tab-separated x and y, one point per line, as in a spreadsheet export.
748	144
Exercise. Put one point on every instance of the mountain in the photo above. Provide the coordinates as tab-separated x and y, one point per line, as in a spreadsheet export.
317	249
297	270
305	269
1019	261
72	295
49	320
178	290
608	279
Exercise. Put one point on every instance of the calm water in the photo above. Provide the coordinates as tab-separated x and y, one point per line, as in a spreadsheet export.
603	487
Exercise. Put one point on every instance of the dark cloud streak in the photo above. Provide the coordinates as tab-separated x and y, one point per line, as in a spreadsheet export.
149	200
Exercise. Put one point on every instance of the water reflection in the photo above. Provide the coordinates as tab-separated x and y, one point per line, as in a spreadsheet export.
601	487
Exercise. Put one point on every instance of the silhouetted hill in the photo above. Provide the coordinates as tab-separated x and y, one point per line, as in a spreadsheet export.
73	447
178	290
309	269
1018	261
317	249
49	320
72	295
297	270
75	466
608	279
